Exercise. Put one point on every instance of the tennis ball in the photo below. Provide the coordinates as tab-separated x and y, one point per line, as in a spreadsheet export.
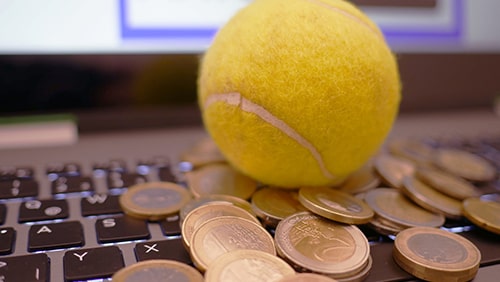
298	92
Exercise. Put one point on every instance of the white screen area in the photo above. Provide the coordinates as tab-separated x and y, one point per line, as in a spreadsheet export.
188	26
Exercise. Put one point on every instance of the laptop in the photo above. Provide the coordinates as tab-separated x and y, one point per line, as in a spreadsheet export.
110	89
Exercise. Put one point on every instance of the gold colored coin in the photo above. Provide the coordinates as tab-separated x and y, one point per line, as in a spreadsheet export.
247	265
335	205
485	214
362	180
390	204
448	184
157	270
431	199
221	235
203	213
315	244
220	179
465	164
200	201
436	255
385	227
413	150
204	152
393	169
274	204
154	200
307	277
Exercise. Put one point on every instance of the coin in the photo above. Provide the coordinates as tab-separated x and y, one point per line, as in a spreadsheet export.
385	227
413	150
335	205
319	245
274	204
393	169
158	270
220	179
197	202
390	204
208	211
247	265
307	277
485	214
221	235
433	254
431	199
448	184
465	164
361	180
204	152
154	200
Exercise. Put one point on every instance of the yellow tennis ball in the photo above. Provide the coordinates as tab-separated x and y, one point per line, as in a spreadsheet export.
299	92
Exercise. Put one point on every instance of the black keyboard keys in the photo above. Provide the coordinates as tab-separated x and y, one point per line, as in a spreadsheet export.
18	188
117	179
123	228
167	249
56	235
99	204
92	263
171	226
28	268
7	239
38	210
72	184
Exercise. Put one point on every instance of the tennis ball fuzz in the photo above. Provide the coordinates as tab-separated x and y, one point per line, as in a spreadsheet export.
299	92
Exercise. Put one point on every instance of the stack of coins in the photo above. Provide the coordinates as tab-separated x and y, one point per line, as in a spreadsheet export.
311	243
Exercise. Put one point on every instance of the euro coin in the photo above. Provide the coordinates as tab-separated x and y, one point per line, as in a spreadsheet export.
220	179
436	255
273	204
154	200
413	150
362	180
157	270
385	227
335	205
212	210
202	153
485	214
247	265
206	199
390	204
465	164
448	184
315	244
393	169
221	235
431	199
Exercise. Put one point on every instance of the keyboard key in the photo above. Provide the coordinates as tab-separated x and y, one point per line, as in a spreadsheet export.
3	213
165	174
99	204
72	184
123	228
43	210
18	188
171	226
63	169
167	249
7	239
117	179
55	236
112	165
28	268
92	263
7	173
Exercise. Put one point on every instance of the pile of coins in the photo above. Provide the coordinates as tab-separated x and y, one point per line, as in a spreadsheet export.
236	229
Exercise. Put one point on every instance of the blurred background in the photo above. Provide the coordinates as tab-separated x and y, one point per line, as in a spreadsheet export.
118	64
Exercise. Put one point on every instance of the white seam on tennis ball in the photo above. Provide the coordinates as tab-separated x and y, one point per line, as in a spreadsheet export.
345	13
235	99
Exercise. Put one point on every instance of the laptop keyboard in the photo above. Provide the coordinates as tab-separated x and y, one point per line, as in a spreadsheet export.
77	231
